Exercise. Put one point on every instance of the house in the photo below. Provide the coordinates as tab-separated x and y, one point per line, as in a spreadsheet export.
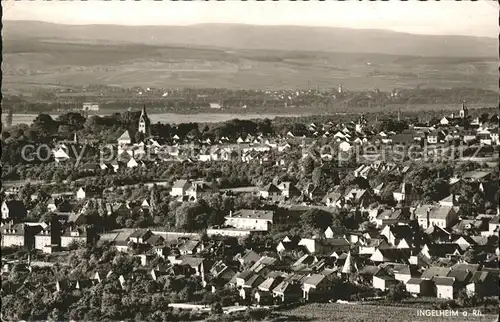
495	140
476	176
216	106
370	246
290	247
378	189
420	287
325	246
403	244
304	262
405	193
13	209
484	137
313	192
140	236
404	273
367	272
241	277
197	265
396	233
80	235
288	190
483	283
435	271
250	283
434	136
273	279
132	163
333	199
264	290
440	250
222	273
200	189
464	242
20	234
450	201
248	259
179	188
441	216
329	233
189	247
205	155
359	197
86	192
316	287
13	235
76	218
394	255
125	138
461	276
259	220
392	216
264	265
288	290
48	239
345	146
269	191
445	120
51	205
383	281
445	287
60	155
438	234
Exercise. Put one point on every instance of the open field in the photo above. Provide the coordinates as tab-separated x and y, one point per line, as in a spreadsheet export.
171	118
356	312
32	65
176	118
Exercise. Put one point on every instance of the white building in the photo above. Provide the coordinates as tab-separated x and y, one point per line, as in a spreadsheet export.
259	220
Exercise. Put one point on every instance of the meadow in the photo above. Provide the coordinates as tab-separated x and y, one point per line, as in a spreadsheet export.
32	65
316	312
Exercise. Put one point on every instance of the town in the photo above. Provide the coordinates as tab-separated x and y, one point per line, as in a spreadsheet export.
115	216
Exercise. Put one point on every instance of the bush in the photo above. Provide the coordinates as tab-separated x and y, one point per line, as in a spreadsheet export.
397	293
258	314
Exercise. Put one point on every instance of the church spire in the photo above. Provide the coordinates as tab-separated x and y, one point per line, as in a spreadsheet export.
464	111
349	265
144	122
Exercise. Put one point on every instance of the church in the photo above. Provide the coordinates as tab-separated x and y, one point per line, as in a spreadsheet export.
453	120
144	123
144	127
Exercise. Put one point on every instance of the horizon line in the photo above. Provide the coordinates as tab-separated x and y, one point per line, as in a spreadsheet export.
245	24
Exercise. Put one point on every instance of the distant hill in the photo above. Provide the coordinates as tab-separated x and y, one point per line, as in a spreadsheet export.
238	36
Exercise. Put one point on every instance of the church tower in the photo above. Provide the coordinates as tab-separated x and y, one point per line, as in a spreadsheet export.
464	112
144	122
416	237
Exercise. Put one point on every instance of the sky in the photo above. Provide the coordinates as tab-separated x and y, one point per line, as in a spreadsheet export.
478	18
